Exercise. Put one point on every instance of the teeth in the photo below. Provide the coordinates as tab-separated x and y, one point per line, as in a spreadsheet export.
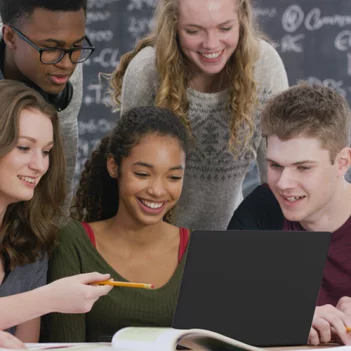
212	55
153	205
294	198
27	179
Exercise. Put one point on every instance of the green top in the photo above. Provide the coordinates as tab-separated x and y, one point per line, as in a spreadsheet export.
122	307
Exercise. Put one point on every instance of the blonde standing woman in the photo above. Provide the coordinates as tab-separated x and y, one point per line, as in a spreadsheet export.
205	61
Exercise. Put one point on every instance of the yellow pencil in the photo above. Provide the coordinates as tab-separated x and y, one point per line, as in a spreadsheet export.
348	329
125	284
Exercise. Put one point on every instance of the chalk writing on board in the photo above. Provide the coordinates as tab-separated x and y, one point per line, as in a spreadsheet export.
343	40
100	3
293	17
139	4
337	85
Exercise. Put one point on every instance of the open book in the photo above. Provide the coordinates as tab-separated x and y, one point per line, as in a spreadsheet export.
168	339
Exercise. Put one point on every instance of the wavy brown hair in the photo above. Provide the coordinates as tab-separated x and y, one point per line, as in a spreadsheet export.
174	77
28	228
97	195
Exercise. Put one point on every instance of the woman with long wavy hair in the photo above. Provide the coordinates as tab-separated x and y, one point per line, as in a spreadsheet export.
206	61
32	191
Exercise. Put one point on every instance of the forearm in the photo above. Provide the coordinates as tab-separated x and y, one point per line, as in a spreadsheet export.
19	308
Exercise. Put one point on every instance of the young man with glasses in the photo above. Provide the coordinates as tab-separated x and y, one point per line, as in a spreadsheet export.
43	45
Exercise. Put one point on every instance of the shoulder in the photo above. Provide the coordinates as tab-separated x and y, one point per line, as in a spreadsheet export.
77	75
270	72
71	233
267	52
143	63
259	210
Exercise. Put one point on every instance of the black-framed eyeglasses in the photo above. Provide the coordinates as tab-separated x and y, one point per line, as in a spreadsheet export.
51	56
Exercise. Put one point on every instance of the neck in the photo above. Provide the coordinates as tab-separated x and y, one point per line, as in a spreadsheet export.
2	214
10	70
335	214
135	234
207	83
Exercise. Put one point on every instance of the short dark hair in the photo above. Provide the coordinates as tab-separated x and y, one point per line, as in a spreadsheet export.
97	194
12	11
312	111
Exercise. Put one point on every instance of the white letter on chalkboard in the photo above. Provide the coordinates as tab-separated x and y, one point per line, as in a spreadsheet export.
343	40
292	18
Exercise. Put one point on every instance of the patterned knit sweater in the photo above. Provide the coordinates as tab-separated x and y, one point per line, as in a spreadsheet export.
213	180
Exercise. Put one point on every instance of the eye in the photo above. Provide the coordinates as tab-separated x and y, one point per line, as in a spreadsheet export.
46	152
275	166
175	178
191	31
141	174
303	168
23	148
226	29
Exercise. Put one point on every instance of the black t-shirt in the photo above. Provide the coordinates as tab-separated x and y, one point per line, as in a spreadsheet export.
259	210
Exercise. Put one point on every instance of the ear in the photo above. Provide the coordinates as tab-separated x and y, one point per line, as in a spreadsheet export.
343	161
112	166
9	36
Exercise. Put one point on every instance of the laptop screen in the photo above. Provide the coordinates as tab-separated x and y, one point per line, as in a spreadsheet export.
259	287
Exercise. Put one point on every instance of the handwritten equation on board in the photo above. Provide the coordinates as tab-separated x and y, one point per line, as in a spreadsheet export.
313	38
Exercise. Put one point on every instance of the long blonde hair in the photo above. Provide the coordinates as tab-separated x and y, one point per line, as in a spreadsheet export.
174	75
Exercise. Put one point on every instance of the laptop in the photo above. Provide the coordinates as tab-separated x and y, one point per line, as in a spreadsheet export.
258	287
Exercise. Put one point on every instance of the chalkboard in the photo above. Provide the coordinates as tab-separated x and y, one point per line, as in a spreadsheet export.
313	38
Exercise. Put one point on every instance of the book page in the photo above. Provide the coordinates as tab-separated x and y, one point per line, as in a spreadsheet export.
146	339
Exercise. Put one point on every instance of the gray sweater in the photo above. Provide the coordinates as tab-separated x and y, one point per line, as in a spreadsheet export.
213	178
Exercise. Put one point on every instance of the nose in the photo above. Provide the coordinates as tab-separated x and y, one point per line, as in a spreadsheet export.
38	162
211	41
286	179
157	188
65	62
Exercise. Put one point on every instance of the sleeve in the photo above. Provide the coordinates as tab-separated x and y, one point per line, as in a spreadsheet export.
139	81
59	327
69	131
272	79
258	211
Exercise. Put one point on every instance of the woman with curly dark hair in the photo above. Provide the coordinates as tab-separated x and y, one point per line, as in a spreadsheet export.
126	192
32	191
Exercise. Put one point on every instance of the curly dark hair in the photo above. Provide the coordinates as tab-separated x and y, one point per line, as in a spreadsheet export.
97	195
12	11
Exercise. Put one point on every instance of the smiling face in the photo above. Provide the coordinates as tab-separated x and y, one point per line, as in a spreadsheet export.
46	29
302	177
208	33
150	179
22	168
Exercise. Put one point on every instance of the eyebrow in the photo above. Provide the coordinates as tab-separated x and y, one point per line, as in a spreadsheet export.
34	140
294	164
147	165
60	42
221	24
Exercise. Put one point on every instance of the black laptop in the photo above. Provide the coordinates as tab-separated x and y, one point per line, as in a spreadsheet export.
259	287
